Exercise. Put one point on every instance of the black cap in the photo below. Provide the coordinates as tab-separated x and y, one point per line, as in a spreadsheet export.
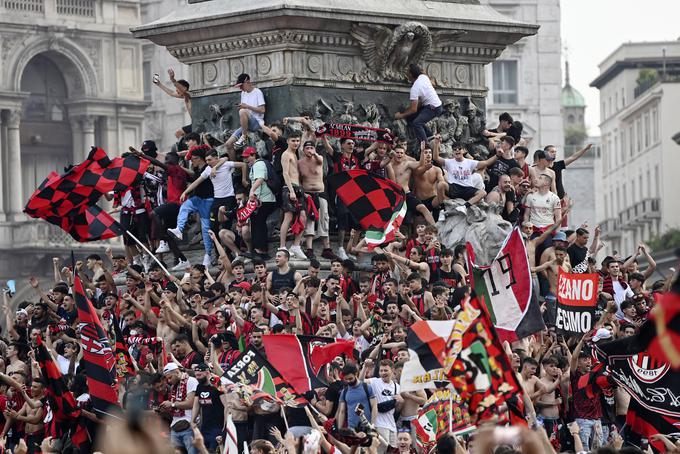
149	148
308	143
170	286
243	77
202	367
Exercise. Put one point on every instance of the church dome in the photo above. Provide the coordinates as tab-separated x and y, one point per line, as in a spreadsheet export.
571	97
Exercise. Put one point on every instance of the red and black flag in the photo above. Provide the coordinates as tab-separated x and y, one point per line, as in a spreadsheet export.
292	355
70	200
98	359
378	204
65	411
254	370
480	370
355	132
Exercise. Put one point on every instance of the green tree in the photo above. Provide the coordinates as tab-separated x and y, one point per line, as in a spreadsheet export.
669	240
647	77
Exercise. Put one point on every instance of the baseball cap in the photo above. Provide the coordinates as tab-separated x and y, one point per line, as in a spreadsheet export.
560	236
308	143
170	287
169	368
244	285
602	333
243	77
249	151
525	182
202	367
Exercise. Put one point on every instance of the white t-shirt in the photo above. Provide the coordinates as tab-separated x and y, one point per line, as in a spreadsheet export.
384	391
620	294
64	364
461	172
542	208
192	384
256	99
423	91
223	185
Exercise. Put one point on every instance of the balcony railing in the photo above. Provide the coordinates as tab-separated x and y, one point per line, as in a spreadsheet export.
640	213
24	6
85	9
610	228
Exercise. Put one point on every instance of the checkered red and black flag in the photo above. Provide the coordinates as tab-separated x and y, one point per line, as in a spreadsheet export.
378	204
70	200
65	411
98	359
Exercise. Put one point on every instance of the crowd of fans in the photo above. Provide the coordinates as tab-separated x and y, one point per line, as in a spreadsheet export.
205	318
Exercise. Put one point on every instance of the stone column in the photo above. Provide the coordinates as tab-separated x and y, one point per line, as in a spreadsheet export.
16	195
3	151
77	139
87	123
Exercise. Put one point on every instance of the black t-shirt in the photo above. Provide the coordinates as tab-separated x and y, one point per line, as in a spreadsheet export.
511	216
452	278
278	148
205	189
577	254
333	394
558	167
212	410
498	168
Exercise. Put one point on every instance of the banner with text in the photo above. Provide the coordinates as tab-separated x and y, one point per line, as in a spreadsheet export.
576	303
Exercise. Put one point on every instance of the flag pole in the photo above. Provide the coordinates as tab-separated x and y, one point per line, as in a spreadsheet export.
450	411
149	252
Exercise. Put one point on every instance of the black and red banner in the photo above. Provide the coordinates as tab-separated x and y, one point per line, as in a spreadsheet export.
98	359
355	132
576	303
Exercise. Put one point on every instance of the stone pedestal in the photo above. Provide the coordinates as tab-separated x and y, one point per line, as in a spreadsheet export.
340	59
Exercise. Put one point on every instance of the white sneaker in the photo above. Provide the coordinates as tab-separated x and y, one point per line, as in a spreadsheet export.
181	266
137	260
342	255
462	209
206	260
442	216
162	247
177	233
297	252
240	141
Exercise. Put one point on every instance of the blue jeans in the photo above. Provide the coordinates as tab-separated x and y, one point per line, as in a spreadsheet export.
202	206
209	435
586	430
417	121
253	125
184	439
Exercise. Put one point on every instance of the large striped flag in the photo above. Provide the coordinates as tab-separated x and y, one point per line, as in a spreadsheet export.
426	342
98	359
378	204
65	411
505	288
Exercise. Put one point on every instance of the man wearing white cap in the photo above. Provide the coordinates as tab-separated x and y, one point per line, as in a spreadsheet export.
179	405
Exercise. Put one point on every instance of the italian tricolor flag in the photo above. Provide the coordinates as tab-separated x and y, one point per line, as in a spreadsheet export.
375	238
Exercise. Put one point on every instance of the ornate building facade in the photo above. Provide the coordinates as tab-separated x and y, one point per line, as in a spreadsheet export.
70	78
526	79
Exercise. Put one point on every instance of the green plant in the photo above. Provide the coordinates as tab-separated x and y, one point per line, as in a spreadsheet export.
647	76
575	135
670	239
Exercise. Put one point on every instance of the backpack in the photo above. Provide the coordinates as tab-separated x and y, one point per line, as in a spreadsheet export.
273	180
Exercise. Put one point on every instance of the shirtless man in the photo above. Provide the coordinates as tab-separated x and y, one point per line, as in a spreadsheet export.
409	410
426	177
311	175
548	405
181	92
15	364
530	382
292	197
32	414
542	166
403	167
